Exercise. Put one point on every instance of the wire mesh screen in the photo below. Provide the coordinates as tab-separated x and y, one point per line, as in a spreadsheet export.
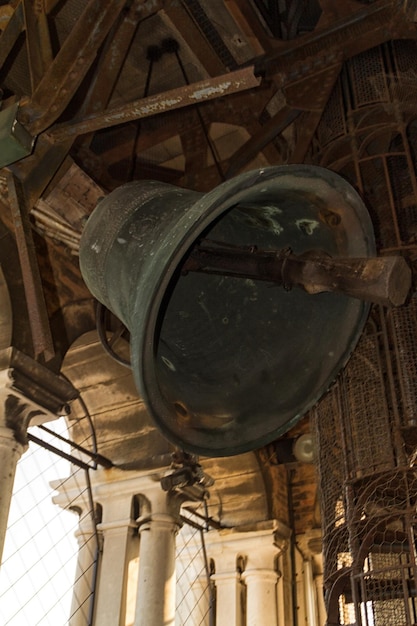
366	426
195	591
39	572
383	545
367	433
403	327
369	492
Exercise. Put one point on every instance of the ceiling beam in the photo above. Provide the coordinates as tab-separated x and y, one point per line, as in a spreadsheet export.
273	127
194	38
71	64
188	95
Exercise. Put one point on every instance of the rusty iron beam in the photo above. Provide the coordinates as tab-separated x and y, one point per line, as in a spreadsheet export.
38	41
111	61
273	127
50	5
381	280
37	170
193	36
310	95
308	123
246	17
32	283
196	93
70	66
332	11
410	8
10	34
379	22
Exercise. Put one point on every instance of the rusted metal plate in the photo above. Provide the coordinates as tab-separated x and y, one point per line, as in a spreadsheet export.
11	33
191	33
112	60
15	142
266	134
196	93
70	66
38	41
6	316
375	24
38	317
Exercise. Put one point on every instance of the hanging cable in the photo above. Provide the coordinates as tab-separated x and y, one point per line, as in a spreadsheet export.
171	46
101	331
153	54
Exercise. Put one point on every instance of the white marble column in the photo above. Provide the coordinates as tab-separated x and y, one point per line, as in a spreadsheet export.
321	607
281	598
228	585
82	594
158	524
255	548
10	453
71	494
310	593
193	593
117	530
311	571
114	491
260	578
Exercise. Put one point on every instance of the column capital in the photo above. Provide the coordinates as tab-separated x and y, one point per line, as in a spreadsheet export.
225	577
270	536
30	393
8	440
159	506
116	526
10	450
259	575
310	543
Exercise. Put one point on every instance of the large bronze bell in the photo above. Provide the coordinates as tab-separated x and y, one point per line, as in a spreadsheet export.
226	362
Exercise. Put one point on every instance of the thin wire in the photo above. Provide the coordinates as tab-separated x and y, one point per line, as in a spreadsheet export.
201	120
98	549
100	319
133	160
98	458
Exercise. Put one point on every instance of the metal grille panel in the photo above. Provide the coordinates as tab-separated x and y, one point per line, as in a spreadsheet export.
368	79
403	325
368	446
366	427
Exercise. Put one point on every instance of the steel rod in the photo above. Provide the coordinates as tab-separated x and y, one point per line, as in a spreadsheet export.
381	280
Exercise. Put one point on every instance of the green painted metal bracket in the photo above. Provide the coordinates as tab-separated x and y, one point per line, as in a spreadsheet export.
15	141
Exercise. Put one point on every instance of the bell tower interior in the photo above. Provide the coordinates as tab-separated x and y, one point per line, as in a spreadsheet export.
208	226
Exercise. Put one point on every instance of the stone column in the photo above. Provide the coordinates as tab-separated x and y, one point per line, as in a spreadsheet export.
228	585
115	491
117	531
193	593
260	578
158	523
71	495
10	452
29	394
82	594
321	607
310	547
310	593
281	598
256	548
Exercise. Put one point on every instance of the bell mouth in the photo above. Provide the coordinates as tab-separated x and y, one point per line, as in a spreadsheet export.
225	364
